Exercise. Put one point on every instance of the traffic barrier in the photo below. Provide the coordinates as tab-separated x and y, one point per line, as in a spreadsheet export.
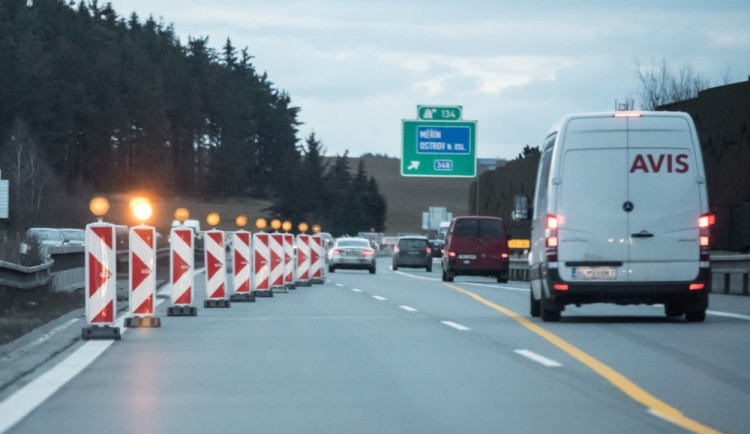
262	265
181	263
303	260
142	280
241	267
216	275
289	261
317	259
101	282
276	244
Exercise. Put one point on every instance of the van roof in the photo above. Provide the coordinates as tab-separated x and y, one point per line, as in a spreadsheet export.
651	114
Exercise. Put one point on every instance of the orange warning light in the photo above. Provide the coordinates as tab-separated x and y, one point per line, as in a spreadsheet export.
141	208
213	219
261	224
181	214
316	229
302	227
275	224
99	206
241	221
287	226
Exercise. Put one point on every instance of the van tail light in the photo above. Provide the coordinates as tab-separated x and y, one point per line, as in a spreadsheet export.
560	286
697	286
704	238
429	250
551	238
396	249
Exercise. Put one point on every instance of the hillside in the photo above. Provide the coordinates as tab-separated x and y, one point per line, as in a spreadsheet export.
408	197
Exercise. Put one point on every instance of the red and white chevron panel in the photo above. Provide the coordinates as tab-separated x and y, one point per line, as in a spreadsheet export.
288	259
215	259
261	262
241	257
276	244
182	258
303	258
142	270
317	257
101	274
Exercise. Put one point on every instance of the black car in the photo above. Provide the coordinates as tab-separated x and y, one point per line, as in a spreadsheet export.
437	248
412	251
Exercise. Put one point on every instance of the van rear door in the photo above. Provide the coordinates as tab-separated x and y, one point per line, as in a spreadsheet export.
666	200
592	186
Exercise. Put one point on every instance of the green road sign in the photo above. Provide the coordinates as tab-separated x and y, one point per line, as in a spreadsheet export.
439	148
439	113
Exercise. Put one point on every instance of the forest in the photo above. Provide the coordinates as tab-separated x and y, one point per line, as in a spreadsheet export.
94	102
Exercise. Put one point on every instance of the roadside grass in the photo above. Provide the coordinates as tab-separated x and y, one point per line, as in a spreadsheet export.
22	311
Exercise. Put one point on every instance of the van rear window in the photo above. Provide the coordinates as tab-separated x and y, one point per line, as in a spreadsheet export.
479	228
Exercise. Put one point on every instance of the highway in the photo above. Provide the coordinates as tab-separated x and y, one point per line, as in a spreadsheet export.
402	352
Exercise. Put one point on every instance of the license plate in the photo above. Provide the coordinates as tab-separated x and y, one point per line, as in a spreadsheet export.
467	256
594	273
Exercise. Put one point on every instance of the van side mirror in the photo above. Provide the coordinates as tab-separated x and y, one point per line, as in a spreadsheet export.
520	207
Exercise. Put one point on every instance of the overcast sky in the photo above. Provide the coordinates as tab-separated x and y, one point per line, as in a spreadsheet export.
357	68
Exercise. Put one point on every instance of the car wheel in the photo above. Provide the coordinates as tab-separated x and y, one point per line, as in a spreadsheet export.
331	269
695	316
372	270
536	305
502	278
447	276
674	310
549	311
428	268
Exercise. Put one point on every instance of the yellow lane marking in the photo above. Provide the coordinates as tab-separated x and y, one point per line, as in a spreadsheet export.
655	405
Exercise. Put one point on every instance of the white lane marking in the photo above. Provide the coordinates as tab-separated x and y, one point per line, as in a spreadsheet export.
537	358
356	290
728	315
377	297
25	400
339	284
408	308
455	325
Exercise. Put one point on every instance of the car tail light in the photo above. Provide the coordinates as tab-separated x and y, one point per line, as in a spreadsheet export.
368	252
336	251
704	240
451	254
429	250
504	255
551	238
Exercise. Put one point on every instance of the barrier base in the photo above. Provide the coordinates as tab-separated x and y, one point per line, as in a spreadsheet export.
100	333
243	297
143	322
266	293
182	311
221	303
279	289
317	281
290	286
304	283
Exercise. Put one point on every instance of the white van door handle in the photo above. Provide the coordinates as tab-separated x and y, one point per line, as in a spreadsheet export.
642	234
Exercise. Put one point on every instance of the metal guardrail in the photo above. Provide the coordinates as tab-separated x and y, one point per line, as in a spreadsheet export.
20	277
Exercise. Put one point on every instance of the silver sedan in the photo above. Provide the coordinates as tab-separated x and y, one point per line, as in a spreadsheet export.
351	253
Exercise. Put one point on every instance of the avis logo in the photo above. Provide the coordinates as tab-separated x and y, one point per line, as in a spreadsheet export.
656	163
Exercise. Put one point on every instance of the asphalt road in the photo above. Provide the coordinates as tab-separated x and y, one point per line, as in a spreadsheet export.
404	352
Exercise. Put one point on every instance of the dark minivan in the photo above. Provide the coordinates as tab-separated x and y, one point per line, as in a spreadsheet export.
476	246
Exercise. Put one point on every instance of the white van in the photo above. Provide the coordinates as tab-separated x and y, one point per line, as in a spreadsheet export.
620	215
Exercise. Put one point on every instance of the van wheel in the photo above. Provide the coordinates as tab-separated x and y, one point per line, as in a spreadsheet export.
697	316
395	267
673	310
447	277
548	309
536	305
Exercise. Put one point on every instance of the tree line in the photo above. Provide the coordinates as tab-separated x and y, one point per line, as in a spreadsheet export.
115	104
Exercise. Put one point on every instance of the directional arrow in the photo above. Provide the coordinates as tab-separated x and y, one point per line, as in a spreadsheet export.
414	165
